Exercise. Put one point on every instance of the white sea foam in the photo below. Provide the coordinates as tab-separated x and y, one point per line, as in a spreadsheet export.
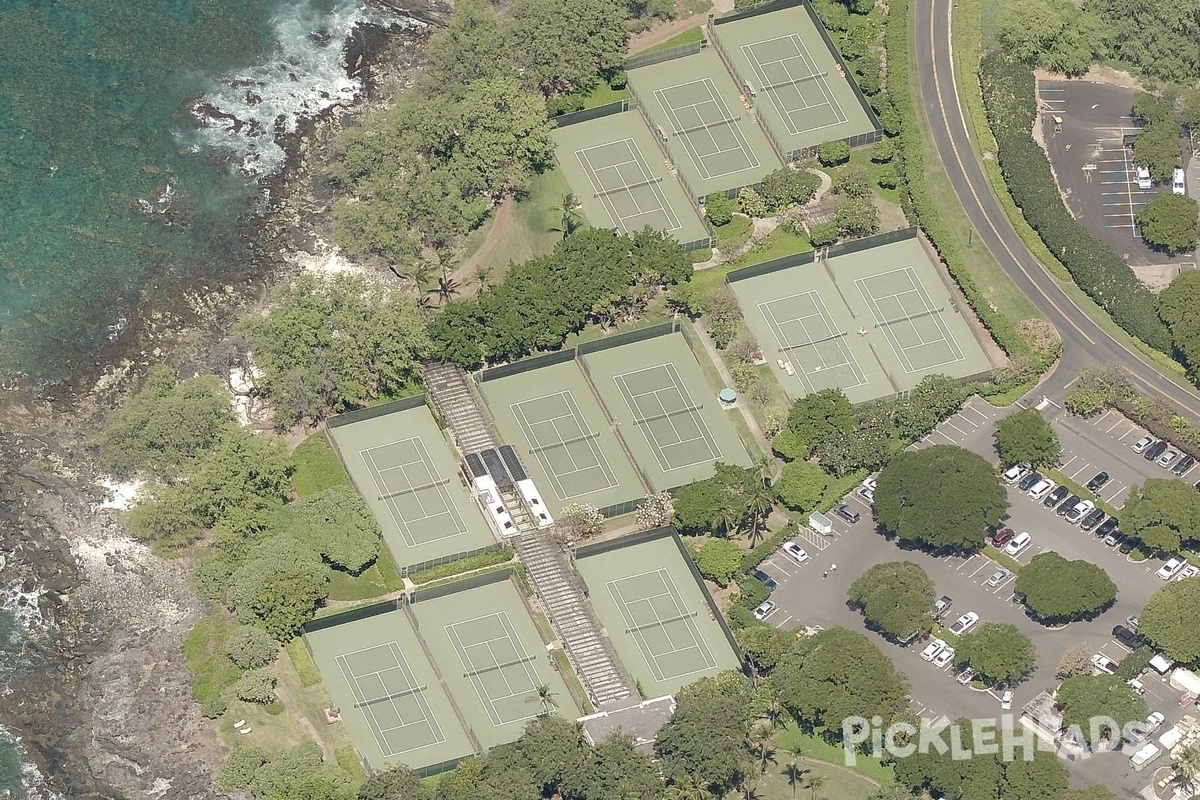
33	783
303	77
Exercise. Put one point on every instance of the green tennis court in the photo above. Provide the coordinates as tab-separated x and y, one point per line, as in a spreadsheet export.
623	182
565	446
659	621
418	501
795	83
392	699
815	346
662	407
707	128
910	320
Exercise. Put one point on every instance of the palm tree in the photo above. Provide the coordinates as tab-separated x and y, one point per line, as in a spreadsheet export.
816	782
685	787
794	772
421	275
1187	767
762	744
483	278
760	502
569	221
446	287
545	695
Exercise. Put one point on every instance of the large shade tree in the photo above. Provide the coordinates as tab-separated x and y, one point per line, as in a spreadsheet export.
942	498
1057	590
1163	513
998	652
894	598
1027	437
1170	620
1088	697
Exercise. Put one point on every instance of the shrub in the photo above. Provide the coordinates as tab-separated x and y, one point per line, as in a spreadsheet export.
883	151
823	234
751	203
718	560
830	154
853	182
250	646
718	208
256	686
240	767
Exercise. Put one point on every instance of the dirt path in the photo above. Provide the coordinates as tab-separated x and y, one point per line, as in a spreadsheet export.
504	217
711	349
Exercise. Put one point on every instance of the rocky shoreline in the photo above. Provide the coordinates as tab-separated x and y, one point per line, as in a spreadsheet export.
102	699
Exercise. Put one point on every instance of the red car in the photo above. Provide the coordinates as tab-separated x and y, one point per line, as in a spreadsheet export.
1001	537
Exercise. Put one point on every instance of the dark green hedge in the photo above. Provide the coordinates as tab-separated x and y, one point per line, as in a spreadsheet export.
1009	97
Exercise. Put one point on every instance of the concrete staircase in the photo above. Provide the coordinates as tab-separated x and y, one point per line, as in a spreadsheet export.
563	597
450	389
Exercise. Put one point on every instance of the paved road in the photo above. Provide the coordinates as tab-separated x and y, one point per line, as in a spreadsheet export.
1084	342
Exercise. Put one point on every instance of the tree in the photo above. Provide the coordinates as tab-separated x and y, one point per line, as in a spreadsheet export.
256	686
553	748
563	46
655	511
787	187
1186	762
1176	305
579	521
942	497
853	182
338	524
1088	697
999	653
1026	437
895	598
544	696
814	421
717	504
832	153
1058	591
718	208
569	219
930	772
287	600
1169	620
883	151
239	767
1170	222
794	772
167	424
838	674
705	737
1158	148
816	782
718	560
331	343
1076	660
856	217
1163	513
823	234
466	50
801	485
249	646
751	203
396	783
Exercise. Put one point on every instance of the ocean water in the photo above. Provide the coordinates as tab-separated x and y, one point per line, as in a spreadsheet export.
134	139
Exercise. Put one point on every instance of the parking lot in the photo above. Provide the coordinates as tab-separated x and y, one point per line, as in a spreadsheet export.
814	593
1095	170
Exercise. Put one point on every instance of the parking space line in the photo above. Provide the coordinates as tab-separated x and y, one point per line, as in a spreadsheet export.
982	415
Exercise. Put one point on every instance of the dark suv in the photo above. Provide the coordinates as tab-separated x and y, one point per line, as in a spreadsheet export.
847	513
1055	497
1028	481
1184	464
766	579
1154	452
1108	526
1002	536
1097	483
1094	518
1127	637
1067	505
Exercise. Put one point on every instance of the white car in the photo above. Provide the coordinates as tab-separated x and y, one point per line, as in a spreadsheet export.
1104	663
1177	185
765	610
1143	444
1016	472
1080	511
997	578
1155	721
964	623
932	649
1041	489
1190	571
870	483
795	551
1144	181
944	658
1006	700
1018	544
1171	568
966	676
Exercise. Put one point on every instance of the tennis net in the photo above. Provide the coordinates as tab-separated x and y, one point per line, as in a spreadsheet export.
414	489
629	187
836	335
673	413
564	443
926	313
716	124
661	623
394	696
494	667
794	81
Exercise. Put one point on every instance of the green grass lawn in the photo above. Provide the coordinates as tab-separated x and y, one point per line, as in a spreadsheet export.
378	579
734	233
532	232
690	35
603	94
824	758
778	244
317	466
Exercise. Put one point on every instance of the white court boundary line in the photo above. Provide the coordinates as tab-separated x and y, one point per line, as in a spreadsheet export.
468	666
822	310
397	518
785	114
664	205
576	414
669	589
705	434
918	289
376	730
743	145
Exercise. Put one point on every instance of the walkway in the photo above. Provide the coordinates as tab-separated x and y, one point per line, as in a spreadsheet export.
451	393
763	443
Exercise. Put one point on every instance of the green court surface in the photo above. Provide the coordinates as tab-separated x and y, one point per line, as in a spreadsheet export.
553	420
872	323
618	174
390	699
798	90
664	410
492	658
711	136
656	615
402	466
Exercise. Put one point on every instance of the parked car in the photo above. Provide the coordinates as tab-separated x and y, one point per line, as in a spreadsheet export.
1006	700
944	658
1029	481
866	493
1066	506
1125	544
797	552
1002	537
1055	497
869	482
1041	489
1097	482
1168	459
1108	526
1182	466
1143	444
1173	567
1133	622
1019	543
1079	511
1190	571
932	649
1155	721
1126	636
1144	180
765	610
997	578
1155	450
766	579
1016	472
847	513
1094	518
941	607
1178	186
966	676
964	623
1104	663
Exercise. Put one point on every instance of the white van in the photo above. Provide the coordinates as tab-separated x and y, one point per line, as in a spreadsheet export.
1143	178
1041	489
1019	543
1177	184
